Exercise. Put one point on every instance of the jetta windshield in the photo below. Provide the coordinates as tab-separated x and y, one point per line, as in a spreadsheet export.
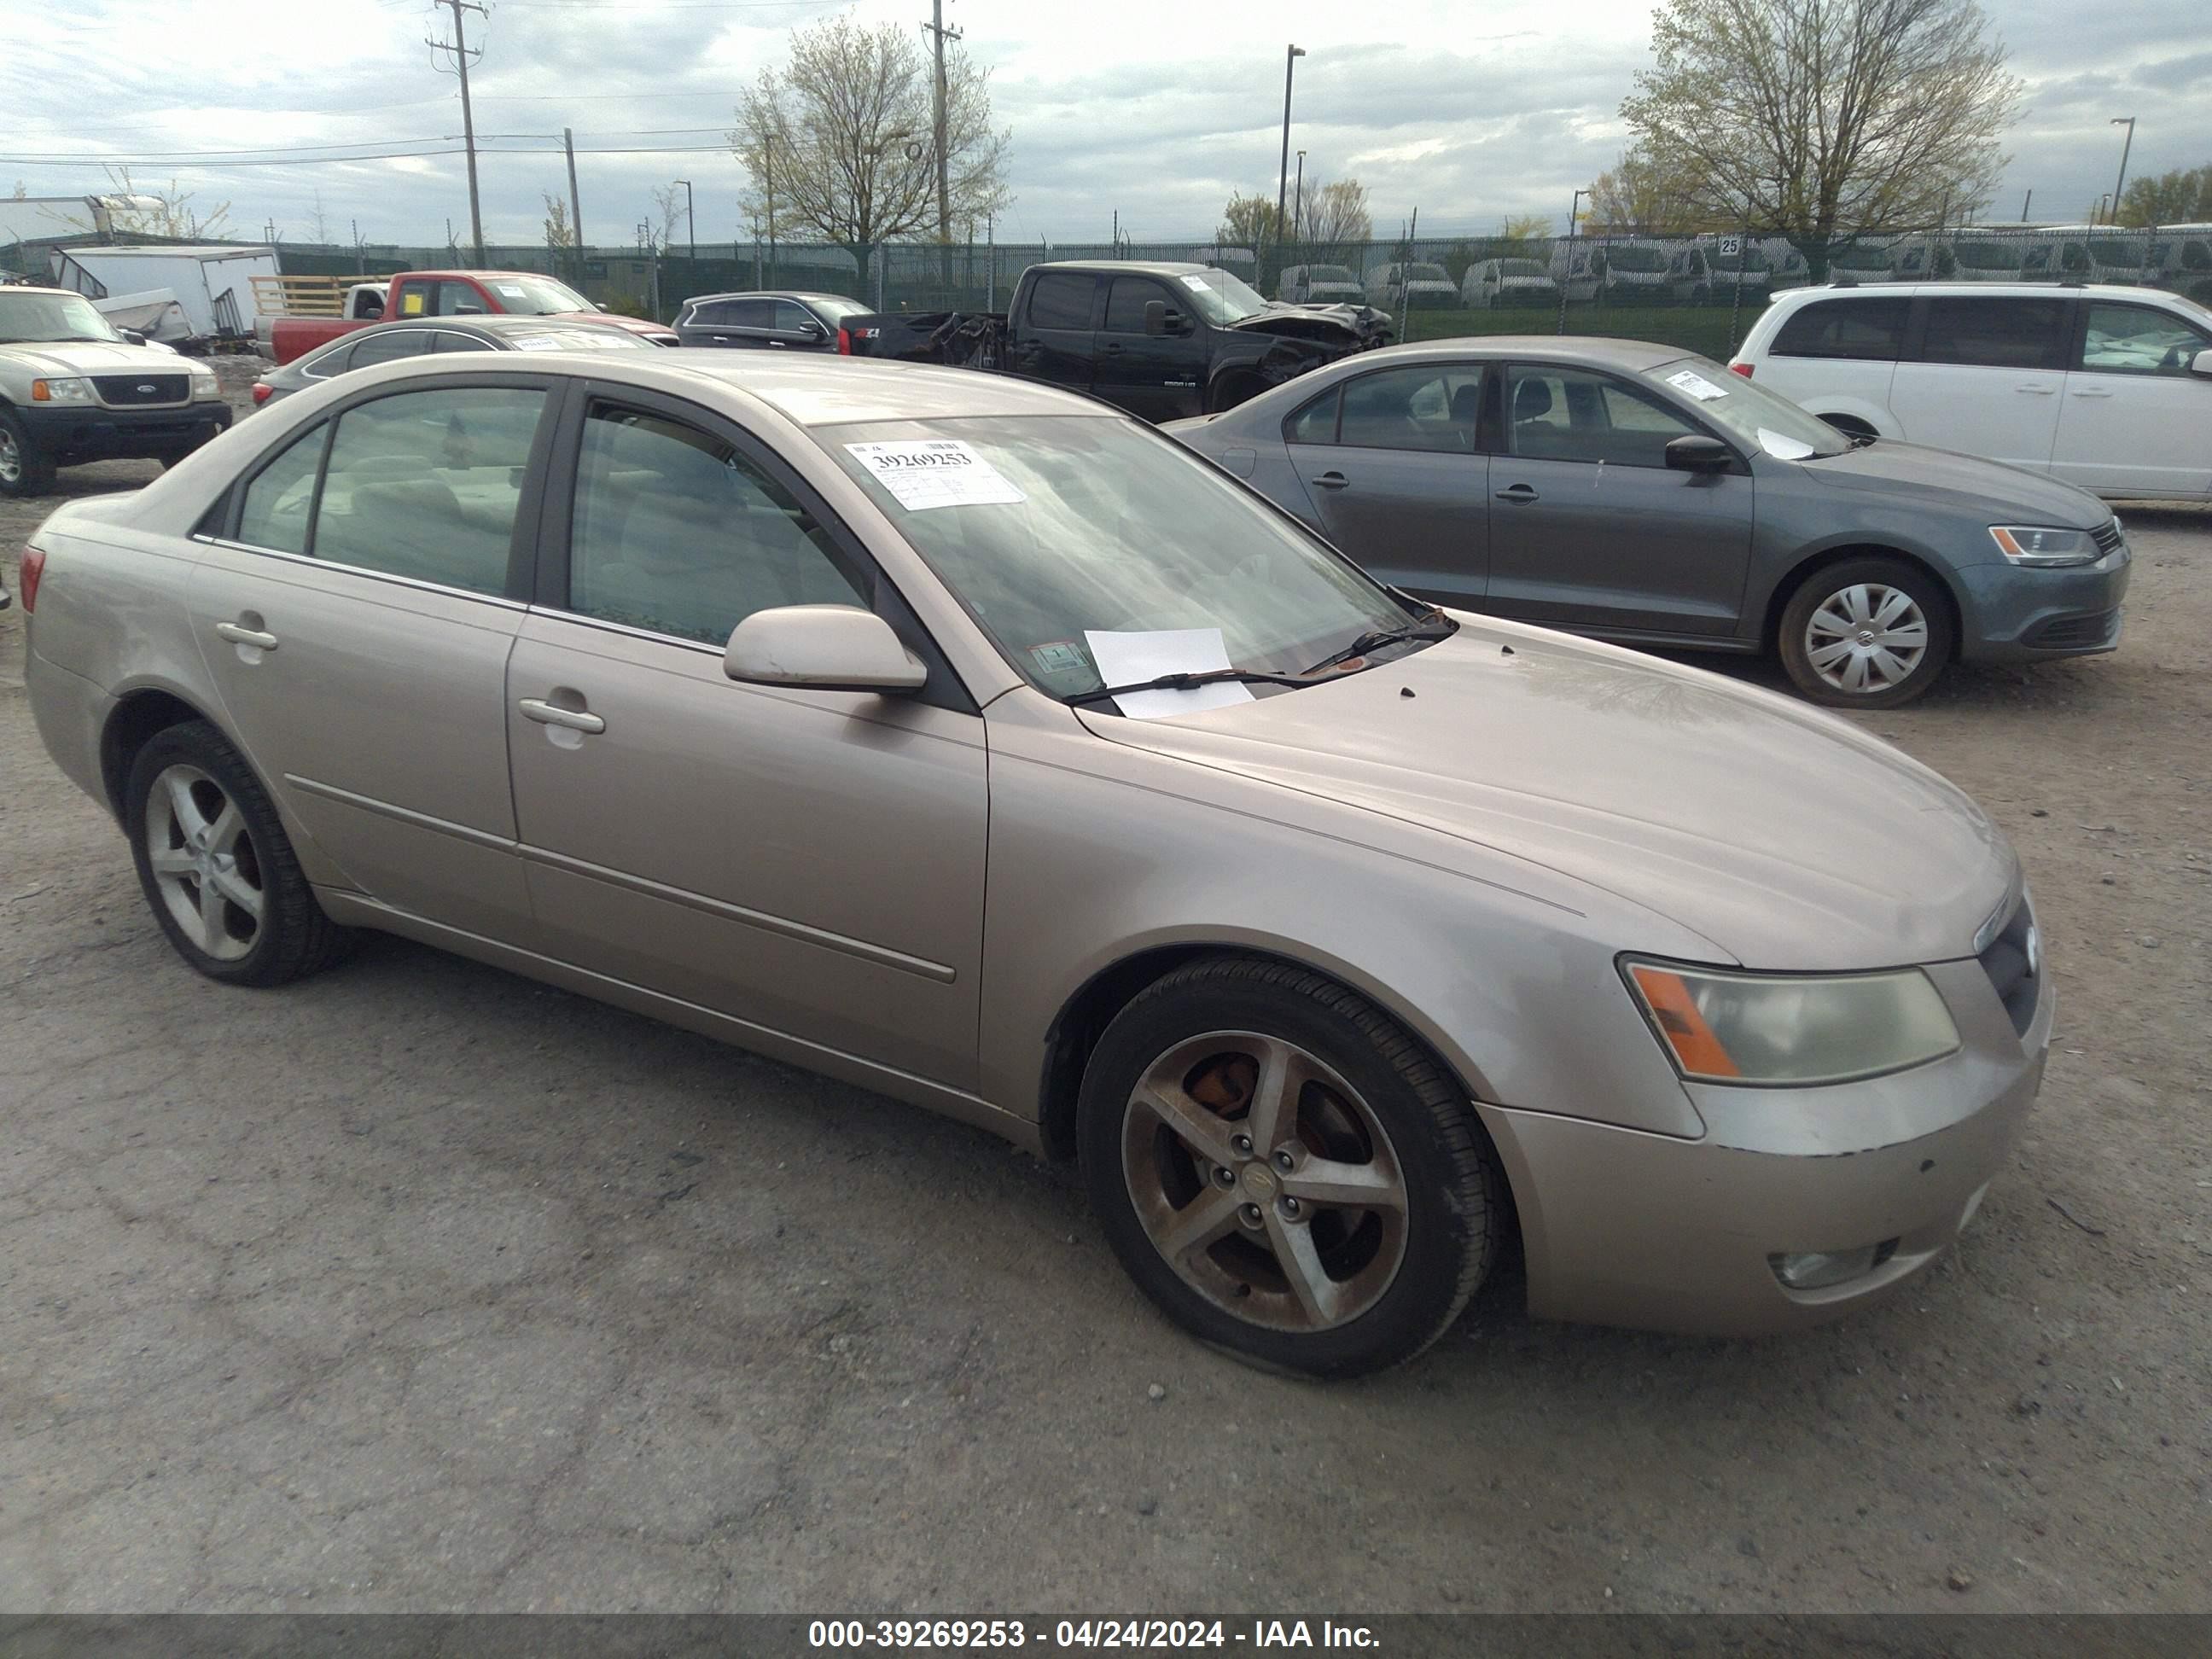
50	318
1051	529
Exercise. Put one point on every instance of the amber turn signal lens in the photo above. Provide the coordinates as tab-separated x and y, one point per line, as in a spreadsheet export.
1678	1021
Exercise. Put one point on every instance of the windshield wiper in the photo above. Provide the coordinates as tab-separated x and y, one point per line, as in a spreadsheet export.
1861	440
1185	682
1433	626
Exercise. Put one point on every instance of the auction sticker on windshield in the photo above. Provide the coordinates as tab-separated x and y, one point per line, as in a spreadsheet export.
935	473
1697	386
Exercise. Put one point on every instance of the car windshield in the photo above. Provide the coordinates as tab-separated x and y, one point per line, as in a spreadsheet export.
1635	259
1769	423
535	296
1521	268
1221	298
51	316
1052	531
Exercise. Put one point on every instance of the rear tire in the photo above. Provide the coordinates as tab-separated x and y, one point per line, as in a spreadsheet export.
216	867
1867	633
1334	1223
25	472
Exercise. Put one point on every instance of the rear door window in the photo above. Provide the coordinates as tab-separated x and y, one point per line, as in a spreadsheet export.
1436	406
1062	299
1988	331
386	348
274	513
1873	329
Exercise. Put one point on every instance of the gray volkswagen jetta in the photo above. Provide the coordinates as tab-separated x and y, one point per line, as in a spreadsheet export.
1627	490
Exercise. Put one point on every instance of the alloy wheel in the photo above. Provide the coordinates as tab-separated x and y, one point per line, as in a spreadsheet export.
1867	638
11	458
205	865
1265	1180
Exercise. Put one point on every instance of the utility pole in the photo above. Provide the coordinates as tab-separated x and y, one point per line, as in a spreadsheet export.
690	218
575	206
939	34
2128	122
1283	175
1299	197
2024	201
458	46
360	257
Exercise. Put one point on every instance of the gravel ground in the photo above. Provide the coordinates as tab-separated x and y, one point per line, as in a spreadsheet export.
419	1286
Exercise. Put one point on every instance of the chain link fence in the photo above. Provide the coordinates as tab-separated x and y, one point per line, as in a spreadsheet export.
1701	292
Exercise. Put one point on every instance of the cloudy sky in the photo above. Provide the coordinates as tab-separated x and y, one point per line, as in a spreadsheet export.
1157	108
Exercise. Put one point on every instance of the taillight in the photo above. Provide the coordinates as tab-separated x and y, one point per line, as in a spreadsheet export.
844	342
261	391
26	576
1743	369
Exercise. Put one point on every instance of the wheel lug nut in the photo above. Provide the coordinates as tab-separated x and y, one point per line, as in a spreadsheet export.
1225	1177
1282	1160
1250	1215
1290	1207
1243	1144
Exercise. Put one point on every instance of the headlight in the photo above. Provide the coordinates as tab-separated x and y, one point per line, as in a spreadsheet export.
61	391
204	383
2028	544
1789	1028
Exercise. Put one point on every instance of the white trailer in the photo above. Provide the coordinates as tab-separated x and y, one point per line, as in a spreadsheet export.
214	284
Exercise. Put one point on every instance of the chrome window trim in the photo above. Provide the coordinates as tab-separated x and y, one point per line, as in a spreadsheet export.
499	599
556	613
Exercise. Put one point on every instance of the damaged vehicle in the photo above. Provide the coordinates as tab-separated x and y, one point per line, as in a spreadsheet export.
1162	341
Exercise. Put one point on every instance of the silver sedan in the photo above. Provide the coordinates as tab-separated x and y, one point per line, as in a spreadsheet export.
971	741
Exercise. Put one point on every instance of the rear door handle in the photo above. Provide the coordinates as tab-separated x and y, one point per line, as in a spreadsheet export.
2091	391
1518	493
2036	390
252	637
547	714
1331	481
1111	348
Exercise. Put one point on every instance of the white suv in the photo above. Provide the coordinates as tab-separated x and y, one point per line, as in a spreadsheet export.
2107	388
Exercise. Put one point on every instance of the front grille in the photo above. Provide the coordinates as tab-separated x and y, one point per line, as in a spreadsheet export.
2013	962
2075	633
135	390
2107	536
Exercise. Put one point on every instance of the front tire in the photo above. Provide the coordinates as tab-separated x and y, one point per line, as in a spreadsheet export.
1284	1170
216	867
1865	634
25	472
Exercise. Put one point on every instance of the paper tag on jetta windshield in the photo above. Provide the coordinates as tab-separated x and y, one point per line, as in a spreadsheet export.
935	473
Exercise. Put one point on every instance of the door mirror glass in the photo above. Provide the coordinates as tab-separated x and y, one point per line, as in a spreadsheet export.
1694	452
823	647
133	335
1156	317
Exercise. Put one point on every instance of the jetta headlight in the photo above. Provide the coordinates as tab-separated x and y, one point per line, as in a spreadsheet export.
1790	1029
76	391
2030	544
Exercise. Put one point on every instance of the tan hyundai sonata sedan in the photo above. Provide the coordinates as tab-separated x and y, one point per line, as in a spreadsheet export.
972	742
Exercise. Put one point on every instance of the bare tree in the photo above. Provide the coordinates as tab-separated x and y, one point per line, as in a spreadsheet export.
559	233
841	142
1642	194
318	224
1334	215
668	204
1819	117
137	211
2180	197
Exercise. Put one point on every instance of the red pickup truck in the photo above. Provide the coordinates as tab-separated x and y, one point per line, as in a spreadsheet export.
448	293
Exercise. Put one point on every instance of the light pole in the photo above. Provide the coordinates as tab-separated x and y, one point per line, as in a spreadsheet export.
1298	198
690	220
2128	122
1567	265
1283	177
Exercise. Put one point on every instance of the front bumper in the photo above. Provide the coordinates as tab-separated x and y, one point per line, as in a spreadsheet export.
72	432
1622	1227
2012	614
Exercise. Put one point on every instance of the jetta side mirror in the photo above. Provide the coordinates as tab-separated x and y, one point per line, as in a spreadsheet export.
1693	452
822	648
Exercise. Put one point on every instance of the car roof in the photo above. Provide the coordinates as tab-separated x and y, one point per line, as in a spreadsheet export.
25	287
808	389
1796	296
1627	354
1118	267
771	294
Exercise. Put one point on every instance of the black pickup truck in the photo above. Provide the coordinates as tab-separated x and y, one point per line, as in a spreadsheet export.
1162	341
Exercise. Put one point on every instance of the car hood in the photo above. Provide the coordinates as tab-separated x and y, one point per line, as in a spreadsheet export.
62	357
1783	834
2013	494
1322	325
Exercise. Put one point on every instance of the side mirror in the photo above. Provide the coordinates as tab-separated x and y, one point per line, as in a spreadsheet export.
2201	364
808	331
1156	318
823	647
1693	452
132	335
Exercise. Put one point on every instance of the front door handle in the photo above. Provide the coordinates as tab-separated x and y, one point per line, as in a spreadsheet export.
252	637
2036	390
1517	493
2093	392
550	714
1111	348
1331	481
